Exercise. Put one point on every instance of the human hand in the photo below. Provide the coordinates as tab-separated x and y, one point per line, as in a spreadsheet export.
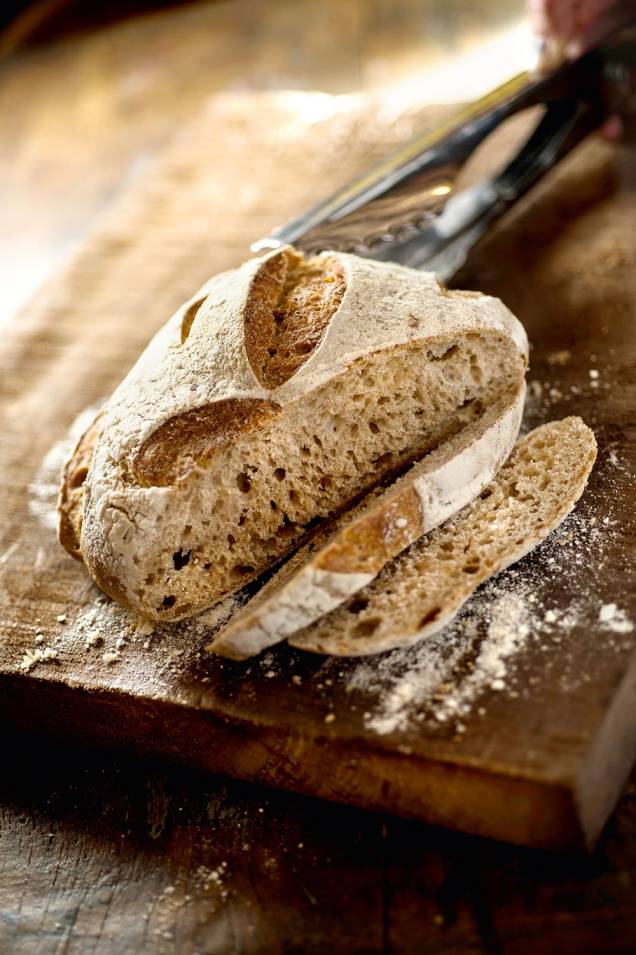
566	28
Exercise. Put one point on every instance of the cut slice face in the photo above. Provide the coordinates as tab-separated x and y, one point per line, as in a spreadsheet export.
422	589
345	556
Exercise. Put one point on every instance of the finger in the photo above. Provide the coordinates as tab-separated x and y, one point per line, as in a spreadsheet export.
557	18
539	19
613	129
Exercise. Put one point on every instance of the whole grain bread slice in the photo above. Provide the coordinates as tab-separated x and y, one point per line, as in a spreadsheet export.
421	590
347	554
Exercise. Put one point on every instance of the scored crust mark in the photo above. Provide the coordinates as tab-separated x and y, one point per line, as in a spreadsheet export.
189	316
189	439
368	543
291	302
71	499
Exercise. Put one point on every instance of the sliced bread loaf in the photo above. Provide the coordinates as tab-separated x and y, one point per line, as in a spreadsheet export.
279	394
350	551
422	589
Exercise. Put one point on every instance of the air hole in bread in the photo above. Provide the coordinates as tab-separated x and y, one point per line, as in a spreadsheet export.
357	604
243	482
373	427
430	616
279	474
231	539
471	567
79	477
287	529
180	558
485	493
366	627
316	440
168	601
242	570
446	354
273	505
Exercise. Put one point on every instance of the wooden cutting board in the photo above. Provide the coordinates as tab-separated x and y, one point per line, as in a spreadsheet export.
517	722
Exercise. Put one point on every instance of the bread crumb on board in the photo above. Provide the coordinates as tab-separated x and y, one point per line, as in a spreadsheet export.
40	655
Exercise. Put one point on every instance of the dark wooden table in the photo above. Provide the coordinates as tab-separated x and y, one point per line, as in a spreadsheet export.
102	853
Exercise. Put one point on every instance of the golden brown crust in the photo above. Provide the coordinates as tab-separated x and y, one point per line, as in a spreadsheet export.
71	498
291	303
371	541
181	443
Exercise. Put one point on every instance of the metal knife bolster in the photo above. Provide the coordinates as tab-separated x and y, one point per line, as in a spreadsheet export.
405	208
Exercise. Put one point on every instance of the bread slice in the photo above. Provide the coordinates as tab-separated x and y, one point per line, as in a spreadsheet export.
279	394
350	551
422	589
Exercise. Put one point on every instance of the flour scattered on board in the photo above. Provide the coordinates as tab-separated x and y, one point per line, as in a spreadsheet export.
449	670
613	618
440	681
42	492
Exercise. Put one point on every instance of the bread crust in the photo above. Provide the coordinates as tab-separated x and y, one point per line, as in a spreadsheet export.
70	501
199	360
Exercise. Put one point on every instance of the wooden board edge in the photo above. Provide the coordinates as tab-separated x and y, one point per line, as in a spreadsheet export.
609	760
505	807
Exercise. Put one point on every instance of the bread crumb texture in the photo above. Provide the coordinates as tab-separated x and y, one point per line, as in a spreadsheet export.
424	587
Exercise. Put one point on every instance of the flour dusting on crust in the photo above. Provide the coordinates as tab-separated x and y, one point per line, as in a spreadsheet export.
44	489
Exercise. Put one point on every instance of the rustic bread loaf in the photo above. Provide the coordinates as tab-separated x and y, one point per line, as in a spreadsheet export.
422	589
280	393
351	550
